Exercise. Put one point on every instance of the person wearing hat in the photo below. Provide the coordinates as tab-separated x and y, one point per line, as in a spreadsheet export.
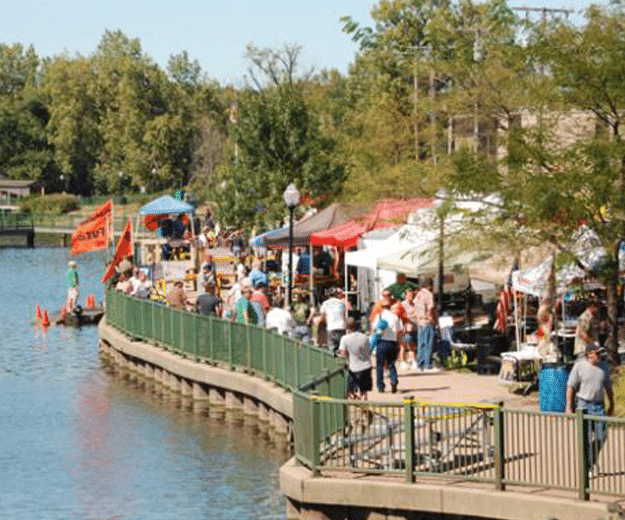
71	277
588	384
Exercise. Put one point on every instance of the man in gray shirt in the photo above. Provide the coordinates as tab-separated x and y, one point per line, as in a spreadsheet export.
589	382
355	347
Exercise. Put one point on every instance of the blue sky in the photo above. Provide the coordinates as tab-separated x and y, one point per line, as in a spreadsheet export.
213	32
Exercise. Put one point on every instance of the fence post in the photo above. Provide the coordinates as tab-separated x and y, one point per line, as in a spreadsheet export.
283	373
581	423
196	325
316	435
248	347
410	439
230	356
211	354
265	354
500	453
296	349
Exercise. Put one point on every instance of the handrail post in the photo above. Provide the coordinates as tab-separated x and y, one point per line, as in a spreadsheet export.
265	353
410	439
316	435
500	453
248	347
196	326
210	338
581	424
283	373
296	350
230	355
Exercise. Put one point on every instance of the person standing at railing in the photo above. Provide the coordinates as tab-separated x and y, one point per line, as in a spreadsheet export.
207	303
334	313
387	347
589	383
177	298
355	347
243	309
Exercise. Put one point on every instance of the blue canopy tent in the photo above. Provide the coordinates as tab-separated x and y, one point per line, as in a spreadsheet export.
166	205
258	241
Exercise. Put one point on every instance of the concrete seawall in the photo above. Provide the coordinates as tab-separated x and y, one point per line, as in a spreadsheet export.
217	385
374	498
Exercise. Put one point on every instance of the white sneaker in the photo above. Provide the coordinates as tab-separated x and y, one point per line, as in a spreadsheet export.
403	365
432	370
415	366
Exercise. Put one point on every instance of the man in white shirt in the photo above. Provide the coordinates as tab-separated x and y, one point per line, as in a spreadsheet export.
142	286
280	319
355	347
387	347
334	312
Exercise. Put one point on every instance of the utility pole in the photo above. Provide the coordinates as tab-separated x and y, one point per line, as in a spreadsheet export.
544	12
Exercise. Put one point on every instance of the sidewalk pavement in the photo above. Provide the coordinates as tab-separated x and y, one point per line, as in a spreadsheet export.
453	386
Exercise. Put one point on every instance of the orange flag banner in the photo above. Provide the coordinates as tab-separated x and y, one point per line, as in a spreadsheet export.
123	249
92	233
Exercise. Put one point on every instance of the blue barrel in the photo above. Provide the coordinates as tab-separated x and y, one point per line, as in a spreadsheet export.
552	386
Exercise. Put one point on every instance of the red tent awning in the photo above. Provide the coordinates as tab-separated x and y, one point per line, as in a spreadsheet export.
344	235
386	214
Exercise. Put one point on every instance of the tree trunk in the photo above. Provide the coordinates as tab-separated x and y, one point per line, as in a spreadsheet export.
612	304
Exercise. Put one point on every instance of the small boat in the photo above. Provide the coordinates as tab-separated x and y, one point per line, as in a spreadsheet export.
80	316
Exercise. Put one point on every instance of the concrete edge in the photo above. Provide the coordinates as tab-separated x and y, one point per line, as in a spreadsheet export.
297	483
259	389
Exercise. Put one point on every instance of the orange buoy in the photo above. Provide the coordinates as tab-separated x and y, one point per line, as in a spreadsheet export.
45	321
37	312
88	302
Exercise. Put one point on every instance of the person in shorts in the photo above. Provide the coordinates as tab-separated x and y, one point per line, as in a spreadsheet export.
355	347
71	278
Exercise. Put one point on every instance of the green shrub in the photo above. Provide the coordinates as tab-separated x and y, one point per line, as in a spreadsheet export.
55	203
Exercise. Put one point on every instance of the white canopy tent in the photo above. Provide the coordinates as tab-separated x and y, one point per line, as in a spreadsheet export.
373	245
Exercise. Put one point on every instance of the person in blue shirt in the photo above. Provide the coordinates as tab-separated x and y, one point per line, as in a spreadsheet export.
303	263
257	276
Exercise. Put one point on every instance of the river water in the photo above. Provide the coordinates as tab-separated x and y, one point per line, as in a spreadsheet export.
81	441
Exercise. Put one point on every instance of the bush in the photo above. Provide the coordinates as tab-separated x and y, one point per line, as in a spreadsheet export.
55	203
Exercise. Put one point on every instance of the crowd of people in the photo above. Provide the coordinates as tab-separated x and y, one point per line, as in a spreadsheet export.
398	332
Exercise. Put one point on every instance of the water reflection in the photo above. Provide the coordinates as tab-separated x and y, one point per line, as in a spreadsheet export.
81	441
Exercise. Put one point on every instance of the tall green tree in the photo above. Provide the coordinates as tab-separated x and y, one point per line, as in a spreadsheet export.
68	85
25	152
569	170
276	139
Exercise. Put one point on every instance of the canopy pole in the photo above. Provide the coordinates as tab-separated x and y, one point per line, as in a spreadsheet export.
345	283
516	324
311	275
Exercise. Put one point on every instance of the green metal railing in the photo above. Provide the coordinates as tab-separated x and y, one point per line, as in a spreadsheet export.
15	221
288	363
470	442
414	439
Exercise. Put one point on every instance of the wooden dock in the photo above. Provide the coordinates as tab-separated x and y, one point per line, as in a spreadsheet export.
18	225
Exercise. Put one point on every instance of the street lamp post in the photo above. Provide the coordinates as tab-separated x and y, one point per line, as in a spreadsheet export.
291	199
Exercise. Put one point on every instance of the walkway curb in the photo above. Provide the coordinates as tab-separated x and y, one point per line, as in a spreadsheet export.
322	498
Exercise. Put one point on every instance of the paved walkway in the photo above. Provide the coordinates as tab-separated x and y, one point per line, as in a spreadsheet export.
458	386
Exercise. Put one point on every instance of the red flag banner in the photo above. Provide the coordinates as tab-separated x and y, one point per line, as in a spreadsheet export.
91	233
503	309
123	250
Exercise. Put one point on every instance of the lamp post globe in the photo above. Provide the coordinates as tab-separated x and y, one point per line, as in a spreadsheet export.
291	199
